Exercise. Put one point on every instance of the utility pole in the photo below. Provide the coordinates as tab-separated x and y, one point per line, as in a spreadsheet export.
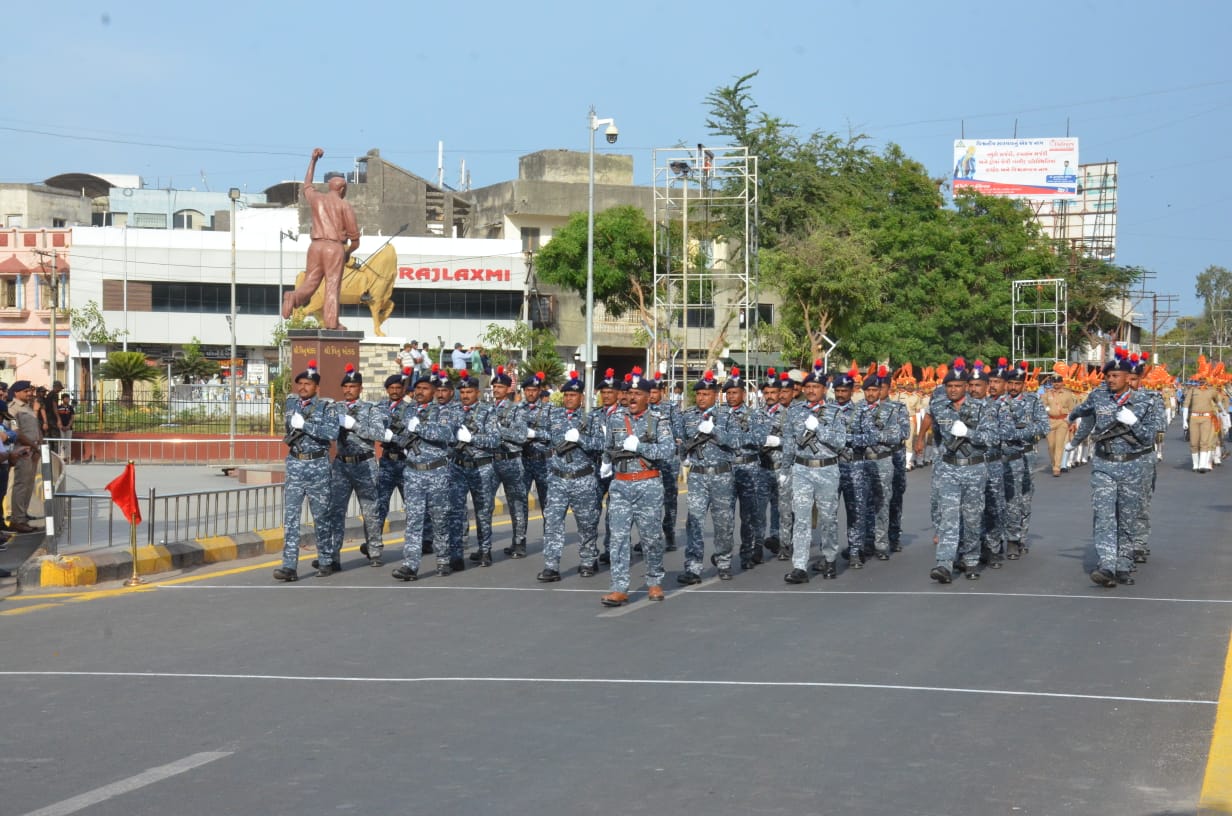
1158	319
53	289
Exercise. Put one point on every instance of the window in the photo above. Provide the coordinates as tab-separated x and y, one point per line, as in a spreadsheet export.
8	292
530	239
149	220
13	221
59	222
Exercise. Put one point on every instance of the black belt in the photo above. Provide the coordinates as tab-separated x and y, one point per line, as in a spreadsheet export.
477	462
960	461
1010	457
534	455
439	463
577	474
1123	457
710	470
396	457
745	459
870	456
307	457
505	456
830	460
356	459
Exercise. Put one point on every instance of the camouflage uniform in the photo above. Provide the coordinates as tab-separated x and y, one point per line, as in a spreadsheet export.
471	472
670	470
853	479
814	478
1142	529
392	464
746	439
959	477
992	529
885	430
426	436
634	497
536	451
773	466
572	484
708	456
1120	470
354	469
1031	424
510	424
307	477
597	427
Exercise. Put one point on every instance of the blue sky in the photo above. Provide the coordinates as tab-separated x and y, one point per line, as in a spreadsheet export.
243	91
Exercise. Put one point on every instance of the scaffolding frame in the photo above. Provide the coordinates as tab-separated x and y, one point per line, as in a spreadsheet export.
1038	310
708	197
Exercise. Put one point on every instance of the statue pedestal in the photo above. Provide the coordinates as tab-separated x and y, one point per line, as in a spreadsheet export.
331	349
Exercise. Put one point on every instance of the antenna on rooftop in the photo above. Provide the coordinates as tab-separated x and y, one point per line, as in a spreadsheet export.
204	182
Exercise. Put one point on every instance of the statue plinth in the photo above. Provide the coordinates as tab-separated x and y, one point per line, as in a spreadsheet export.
332	349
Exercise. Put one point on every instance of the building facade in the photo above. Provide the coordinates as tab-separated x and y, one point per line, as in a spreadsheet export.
34	275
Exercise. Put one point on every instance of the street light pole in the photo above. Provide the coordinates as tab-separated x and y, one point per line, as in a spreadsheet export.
611	133
294	236
234	195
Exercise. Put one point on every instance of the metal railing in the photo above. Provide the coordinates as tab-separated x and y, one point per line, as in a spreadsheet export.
187	409
209	450
179	516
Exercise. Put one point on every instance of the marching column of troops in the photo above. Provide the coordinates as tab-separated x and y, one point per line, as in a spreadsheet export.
773	473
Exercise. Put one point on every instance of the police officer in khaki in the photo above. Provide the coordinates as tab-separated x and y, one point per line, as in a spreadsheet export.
1198	416
1058	401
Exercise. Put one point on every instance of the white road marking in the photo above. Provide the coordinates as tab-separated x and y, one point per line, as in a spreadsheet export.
605	681
133	783
701	589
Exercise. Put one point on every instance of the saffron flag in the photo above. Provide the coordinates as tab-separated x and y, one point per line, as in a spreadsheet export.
123	490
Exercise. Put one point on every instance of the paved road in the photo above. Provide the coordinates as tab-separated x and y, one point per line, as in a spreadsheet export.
1028	692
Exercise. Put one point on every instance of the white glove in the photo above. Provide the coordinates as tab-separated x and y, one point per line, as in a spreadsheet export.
464	435
630	444
782	478
297	421
530	433
705	427
413	425
605	470
572	435
811	422
346	421
959	429
1185	426
1069	446
773	441
389	435
1127	417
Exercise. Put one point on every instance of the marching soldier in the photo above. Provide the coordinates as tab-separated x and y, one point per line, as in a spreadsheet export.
609	395
668	412
537	412
1031	424
708	444
965	429
572	484
989	388
392	463
852	484
476	442
884	425
445	397
360	425
770	422
746	441
424	436
511	426
787	395
814	437
311	426
1122	425
1142	530
1199	416
901	463
636	443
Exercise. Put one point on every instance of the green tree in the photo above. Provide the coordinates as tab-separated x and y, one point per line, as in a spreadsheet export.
623	263
128	367
1214	287
87	323
539	346
194	365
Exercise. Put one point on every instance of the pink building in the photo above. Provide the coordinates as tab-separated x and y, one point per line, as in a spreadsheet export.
31	260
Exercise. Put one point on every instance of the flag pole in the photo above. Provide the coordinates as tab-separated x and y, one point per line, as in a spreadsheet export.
135	580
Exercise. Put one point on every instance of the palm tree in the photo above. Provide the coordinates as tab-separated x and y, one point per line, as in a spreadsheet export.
128	367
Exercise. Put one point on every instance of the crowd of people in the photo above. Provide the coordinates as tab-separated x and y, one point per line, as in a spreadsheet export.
773	468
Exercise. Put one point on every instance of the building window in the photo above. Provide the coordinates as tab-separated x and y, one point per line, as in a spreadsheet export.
13	221
8	293
59	222
149	220
530	239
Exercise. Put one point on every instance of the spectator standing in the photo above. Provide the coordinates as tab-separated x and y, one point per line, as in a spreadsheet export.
25	454
65	412
460	359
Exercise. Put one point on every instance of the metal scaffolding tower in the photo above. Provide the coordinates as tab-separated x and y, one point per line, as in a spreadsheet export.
705	258
1040	328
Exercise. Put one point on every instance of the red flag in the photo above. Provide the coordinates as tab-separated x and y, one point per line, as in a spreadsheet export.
123	490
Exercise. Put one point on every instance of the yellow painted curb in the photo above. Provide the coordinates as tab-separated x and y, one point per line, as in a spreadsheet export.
273	539
218	548
1217	787
69	571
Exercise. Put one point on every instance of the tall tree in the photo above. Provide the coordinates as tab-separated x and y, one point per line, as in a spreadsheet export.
128	367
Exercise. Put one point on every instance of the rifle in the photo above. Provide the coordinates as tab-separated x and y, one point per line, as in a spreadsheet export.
957	442
463	448
296	434
344	433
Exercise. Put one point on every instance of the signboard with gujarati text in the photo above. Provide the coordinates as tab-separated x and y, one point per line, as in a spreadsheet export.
1017	168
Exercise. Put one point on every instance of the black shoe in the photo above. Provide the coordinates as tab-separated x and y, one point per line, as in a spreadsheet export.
883	556
443	570
405	573
1139	556
587	571
972	573
284	574
363	549
829	569
427	548
896	547
1125	578
855	560
771	544
1104	577
1013	550
759	557
784	554
334	567
605	557
637	548
485	558
374	562
457	564
325	572
475	557
516	551
687	578
746	564
725	573
548	576
941	575
796	576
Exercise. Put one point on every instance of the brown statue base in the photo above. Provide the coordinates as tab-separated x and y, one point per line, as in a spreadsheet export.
331	349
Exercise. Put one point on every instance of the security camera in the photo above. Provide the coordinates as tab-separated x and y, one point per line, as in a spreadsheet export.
612	134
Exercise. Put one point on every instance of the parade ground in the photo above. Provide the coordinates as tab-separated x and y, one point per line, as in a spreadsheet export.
1029	691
